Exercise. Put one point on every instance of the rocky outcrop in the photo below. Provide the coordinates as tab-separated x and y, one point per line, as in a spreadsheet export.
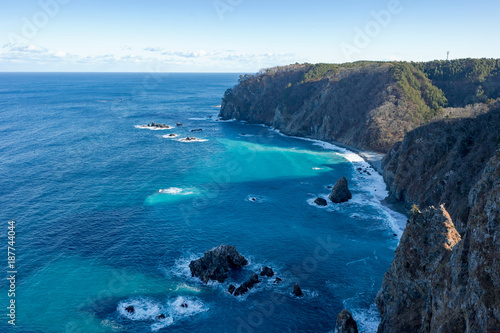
441	282
425	247
215	264
346	323
340	192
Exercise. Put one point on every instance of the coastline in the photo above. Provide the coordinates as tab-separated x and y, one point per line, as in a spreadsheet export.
371	158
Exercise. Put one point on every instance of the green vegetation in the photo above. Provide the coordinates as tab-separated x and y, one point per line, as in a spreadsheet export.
416	87
321	71
465	81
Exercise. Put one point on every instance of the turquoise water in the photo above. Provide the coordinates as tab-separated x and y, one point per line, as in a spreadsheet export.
110	215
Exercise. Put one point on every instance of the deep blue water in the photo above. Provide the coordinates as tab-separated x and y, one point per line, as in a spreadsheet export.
109	214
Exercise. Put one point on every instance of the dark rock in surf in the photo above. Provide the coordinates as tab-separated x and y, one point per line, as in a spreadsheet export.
160	317
215	263
278	280
267	271
130	309
340	192
184	305
247	285
320	202
297	291
346	323
231	289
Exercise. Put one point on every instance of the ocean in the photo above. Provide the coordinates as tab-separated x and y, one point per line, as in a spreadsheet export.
109	214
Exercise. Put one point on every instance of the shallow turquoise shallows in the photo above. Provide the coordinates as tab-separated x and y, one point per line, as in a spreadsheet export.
110	214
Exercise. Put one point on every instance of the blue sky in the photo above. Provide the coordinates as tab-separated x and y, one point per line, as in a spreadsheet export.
238	35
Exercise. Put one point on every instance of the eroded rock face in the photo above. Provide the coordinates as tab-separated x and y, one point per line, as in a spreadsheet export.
441	282
340	192
405	300
346	323
215	264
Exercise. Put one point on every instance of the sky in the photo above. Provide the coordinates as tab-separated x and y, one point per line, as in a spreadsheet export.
241	36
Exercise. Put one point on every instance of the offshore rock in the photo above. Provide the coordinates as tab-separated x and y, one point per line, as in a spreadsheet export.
267	271
346	323
215	263
340	192
247	285
297	291
320	202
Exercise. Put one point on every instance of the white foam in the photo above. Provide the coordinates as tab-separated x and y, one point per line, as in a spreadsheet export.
144	309
152	128
196	140
367	319
373	185
200	119
178	191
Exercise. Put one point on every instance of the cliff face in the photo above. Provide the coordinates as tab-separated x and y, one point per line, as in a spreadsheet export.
359	106
440	281
440	163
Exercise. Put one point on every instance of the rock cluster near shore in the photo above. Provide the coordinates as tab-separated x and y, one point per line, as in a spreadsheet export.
346	323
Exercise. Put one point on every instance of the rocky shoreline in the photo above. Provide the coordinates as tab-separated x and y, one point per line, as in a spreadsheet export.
445	276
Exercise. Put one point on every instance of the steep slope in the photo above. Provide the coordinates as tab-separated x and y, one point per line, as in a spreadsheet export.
441	282
367	105
439	163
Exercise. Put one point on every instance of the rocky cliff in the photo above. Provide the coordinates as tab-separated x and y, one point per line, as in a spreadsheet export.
440	281
366	105
445	276
440	163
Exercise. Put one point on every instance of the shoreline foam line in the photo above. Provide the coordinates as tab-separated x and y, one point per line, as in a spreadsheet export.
396	220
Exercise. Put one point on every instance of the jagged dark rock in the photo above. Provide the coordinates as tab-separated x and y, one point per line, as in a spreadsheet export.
241	290
346	323
320	202
184	305
297	291
247	285
340	192
231	289
267	271
130	309
179	124
215	264
160	316
277	280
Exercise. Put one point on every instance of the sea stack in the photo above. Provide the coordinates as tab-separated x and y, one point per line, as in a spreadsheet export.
346	323
340	192
215	263
297	291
